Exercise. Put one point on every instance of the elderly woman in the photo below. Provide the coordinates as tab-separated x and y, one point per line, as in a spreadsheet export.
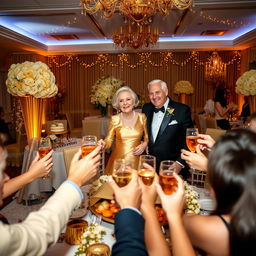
128	127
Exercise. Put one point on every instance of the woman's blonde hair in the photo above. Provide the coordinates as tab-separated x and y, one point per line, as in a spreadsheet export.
115	100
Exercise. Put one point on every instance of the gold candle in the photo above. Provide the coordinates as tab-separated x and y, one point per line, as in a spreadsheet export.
74	231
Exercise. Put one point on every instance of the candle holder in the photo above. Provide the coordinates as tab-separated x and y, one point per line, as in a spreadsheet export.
74	231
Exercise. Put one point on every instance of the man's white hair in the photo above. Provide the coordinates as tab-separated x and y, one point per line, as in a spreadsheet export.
156	81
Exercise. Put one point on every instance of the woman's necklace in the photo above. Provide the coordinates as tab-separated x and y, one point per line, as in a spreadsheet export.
130	119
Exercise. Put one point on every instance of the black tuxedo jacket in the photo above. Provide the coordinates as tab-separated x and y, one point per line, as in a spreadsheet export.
129	231
171	137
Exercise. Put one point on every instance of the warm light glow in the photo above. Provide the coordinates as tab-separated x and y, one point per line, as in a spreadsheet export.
32	109
136	10
135	36
215	69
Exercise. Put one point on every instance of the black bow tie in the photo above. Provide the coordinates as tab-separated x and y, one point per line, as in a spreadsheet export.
156	110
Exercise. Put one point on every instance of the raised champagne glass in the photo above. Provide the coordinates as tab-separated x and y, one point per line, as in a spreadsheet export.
191	138
167	180
45	146
89	143
147	168
122	172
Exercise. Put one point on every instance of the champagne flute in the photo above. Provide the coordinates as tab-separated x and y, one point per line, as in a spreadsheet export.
45	146
191	138
147	168
166	178
122	173
89	143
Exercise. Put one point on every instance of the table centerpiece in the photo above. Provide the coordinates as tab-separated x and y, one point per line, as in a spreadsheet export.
183	88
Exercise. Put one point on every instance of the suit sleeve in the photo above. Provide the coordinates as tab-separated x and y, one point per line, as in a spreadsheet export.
42	228
187	123
110	134
129	230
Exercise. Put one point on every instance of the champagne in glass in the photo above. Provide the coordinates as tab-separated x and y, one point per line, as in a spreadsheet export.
89	143
122	173
44	148
167	180
146	170
191	138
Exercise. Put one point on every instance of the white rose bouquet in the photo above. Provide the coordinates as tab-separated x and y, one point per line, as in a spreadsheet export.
246	83
103	91
31	78
93	234
191	205
183	87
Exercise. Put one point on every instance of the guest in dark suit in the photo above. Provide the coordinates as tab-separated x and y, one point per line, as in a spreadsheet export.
167	122
245	109
129	223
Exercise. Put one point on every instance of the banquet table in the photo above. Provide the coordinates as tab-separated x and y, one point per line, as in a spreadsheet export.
69	250
58	173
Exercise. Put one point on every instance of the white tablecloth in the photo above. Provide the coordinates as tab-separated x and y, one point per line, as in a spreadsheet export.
58	173
69	250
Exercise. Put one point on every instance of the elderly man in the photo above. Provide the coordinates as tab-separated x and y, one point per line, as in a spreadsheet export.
167	122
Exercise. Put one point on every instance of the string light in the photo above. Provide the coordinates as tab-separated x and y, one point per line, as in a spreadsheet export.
143	59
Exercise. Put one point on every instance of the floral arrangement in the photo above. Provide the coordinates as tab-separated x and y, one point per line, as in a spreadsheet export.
103	91
98	183
246	83
183	87
31	78
191	205
170	111
93	234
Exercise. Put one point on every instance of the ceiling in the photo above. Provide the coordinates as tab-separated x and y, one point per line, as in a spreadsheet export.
32	25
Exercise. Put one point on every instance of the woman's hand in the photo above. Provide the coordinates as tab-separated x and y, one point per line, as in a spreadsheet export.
41	167
140	149
195	160
205	142
102	143
173	204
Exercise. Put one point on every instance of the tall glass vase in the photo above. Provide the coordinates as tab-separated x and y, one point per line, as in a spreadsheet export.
183	98
32	111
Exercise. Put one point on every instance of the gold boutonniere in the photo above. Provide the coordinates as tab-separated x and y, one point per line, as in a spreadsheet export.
170	111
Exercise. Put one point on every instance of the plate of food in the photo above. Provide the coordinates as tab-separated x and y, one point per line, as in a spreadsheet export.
107	211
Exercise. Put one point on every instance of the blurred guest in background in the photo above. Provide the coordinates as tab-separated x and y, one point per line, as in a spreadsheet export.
209	107
4	126
222	109
245	109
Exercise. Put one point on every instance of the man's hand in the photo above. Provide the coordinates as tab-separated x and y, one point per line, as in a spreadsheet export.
84	169
41	167
129	195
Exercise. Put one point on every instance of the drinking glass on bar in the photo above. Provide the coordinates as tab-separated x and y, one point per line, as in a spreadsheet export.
191	138
167	180
122	172
89	143
45	146
147	168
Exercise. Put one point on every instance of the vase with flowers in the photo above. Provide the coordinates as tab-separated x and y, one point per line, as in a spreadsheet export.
183	88
103	91
246	85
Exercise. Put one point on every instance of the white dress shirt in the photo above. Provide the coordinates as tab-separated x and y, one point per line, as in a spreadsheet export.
157	120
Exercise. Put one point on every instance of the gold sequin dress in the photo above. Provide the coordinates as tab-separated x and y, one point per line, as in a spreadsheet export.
127	139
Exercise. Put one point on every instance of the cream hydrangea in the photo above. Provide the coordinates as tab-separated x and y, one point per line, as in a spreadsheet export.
31	78
183	87
103	91
246	83
192	205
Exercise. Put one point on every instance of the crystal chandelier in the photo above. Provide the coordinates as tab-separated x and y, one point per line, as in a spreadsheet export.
135	36
215	69
136	10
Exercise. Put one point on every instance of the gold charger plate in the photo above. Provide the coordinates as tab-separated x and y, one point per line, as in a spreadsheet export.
93	210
